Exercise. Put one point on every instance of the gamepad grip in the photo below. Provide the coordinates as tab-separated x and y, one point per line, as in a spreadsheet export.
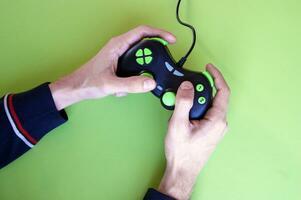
151	57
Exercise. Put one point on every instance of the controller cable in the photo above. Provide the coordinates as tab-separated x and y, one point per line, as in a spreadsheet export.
181	62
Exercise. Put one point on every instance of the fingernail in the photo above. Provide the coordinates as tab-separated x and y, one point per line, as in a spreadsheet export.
186	85
149	84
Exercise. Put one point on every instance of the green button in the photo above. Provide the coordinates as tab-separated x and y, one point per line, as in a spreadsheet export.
162	41
139	53
149	75
202	100
209	77
140	61
199	87
148	59
147	52
144	56
169	98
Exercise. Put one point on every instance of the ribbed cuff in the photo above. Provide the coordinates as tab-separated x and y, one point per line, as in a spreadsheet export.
34	112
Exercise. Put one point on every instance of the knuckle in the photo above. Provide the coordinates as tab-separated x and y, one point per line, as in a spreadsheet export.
136	83
222	123
218	113
142	27
113	40
185	95
185	100
227	90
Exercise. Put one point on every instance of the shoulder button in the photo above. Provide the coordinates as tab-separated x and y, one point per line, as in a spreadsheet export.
162	41
209	77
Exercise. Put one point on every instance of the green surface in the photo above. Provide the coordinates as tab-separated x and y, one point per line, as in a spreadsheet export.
113	148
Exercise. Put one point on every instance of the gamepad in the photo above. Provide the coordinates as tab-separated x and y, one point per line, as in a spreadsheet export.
151	57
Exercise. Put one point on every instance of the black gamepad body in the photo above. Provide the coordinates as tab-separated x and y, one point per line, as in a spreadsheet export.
151	57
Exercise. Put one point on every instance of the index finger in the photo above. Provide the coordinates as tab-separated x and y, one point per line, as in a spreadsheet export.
126	40
221	99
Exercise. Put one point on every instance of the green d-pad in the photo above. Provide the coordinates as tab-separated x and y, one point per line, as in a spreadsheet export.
144	56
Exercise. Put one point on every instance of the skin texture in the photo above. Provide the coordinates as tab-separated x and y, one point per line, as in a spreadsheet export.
97	79
188	144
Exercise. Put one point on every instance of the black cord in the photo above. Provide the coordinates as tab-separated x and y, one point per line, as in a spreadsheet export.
184	58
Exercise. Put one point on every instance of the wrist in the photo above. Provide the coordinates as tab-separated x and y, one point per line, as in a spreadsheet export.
67	91
178	183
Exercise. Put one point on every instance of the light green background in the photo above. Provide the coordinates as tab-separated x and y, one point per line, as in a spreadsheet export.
113	148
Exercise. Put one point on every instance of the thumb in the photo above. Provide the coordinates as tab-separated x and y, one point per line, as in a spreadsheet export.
134	84
184	102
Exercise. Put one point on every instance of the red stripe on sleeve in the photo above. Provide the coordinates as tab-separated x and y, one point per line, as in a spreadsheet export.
17	121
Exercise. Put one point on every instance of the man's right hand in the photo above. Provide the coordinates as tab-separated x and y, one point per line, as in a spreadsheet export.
189	144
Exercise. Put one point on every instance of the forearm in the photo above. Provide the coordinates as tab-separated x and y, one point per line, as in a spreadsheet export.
69	89
65	92
24	119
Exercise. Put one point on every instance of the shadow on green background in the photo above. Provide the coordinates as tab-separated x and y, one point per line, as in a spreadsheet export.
113	148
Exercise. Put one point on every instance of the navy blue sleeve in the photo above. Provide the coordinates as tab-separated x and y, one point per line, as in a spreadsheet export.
153	194
24	119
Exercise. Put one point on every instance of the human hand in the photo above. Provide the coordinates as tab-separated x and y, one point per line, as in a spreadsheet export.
189	144
97	77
